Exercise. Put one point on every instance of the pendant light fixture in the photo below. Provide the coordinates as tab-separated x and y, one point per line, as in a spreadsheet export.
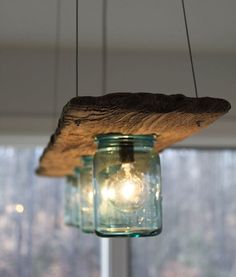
130	129
172	118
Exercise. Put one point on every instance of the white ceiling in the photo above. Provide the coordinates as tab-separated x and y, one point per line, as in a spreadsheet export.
134	24
147	52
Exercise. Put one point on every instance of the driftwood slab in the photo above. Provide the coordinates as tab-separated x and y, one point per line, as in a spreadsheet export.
171	117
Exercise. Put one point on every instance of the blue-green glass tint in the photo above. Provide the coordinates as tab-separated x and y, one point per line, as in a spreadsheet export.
127	182
72	201
86	196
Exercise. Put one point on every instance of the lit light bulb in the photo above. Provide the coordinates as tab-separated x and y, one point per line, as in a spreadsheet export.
87	193
19	208
126	189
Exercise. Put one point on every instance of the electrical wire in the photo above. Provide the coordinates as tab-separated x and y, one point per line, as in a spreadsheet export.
104	46
77	49
56	57
189	49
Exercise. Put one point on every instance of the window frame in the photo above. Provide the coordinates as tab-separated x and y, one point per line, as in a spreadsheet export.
115	259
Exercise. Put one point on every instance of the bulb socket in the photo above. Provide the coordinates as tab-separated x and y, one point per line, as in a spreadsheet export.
126	152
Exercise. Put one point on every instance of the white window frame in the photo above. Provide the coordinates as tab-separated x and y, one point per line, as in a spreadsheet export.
115	257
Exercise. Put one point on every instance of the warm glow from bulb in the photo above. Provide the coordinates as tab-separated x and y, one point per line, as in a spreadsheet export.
90	197
19	208
108	193
86	209
128	189
157	194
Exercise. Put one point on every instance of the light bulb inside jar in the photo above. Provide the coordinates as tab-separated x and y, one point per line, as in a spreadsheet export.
126	189
126	181
87	192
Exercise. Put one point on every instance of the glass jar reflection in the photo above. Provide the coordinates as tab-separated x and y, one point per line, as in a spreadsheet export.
86	195
72	200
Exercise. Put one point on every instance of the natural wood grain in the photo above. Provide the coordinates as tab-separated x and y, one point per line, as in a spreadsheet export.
171	117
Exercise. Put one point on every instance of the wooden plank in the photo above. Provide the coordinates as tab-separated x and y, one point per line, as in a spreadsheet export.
171	117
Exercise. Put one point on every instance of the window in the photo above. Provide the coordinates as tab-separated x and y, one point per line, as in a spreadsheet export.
34	240
199	212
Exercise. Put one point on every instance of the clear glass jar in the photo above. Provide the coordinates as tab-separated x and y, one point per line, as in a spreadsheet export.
72	200
127	182
86	195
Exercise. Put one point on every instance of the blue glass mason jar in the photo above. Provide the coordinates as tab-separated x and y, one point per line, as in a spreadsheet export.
127	180
72	200
86	195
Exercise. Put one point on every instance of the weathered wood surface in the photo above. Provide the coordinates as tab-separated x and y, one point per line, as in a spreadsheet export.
171	117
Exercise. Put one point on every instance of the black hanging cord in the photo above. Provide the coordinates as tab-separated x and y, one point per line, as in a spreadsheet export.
104	47
77	50
190	50
57	57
